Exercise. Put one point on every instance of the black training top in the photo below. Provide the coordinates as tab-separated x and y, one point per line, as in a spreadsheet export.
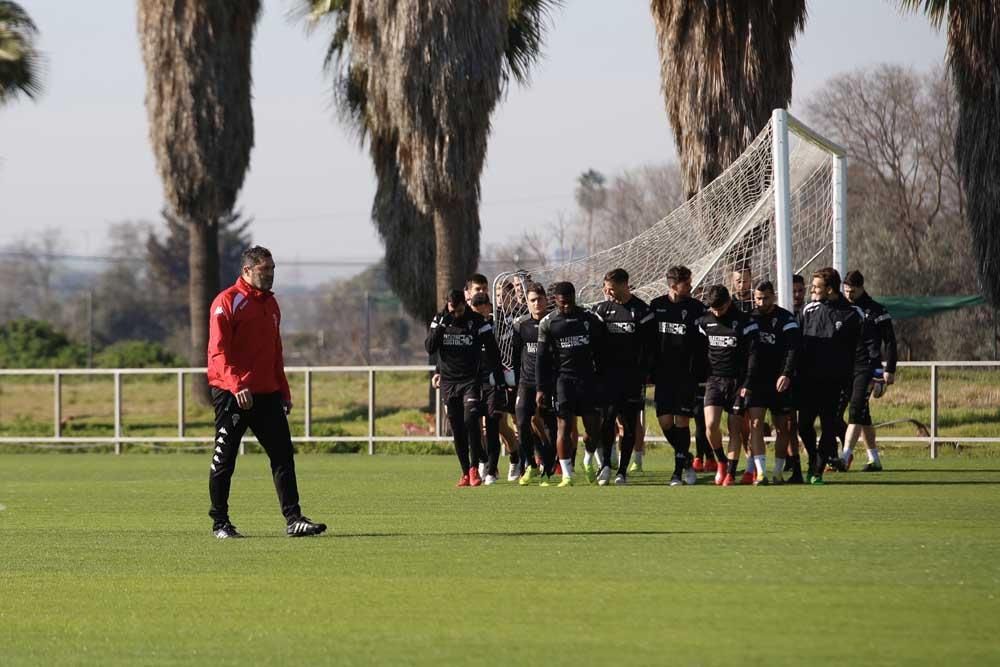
679	348
878	333
569	345
831	340
525	349
776	344
730	354
461	345
630	329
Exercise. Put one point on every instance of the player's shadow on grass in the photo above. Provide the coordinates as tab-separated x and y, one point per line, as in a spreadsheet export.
937	470
528	533
913	482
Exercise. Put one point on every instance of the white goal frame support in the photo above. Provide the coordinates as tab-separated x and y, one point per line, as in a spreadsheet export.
783	122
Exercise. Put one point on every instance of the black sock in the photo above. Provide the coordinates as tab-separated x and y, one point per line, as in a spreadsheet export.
514	458
731	467
720	455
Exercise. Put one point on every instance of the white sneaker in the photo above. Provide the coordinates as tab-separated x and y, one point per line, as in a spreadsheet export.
604	476
690	477
675	480
620	480
513	472
482	470
490	480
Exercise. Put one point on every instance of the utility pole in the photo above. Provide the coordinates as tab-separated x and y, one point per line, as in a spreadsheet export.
90	328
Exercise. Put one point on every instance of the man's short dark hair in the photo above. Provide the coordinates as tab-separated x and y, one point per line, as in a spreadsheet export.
678	274
717	296
798	279
830	277
854	279
537	288
476	279
253	256
616	276
765	286
479	299
456	297
563	288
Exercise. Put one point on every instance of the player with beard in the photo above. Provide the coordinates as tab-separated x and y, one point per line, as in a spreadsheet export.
629	327
677	364
459	335
730	366
526	409
570	350
776	347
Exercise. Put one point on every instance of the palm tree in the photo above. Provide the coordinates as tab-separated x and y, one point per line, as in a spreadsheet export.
725	65
197	58
974	60
419	79
20	62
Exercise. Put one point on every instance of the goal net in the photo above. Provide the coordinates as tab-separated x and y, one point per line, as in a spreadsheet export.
777	210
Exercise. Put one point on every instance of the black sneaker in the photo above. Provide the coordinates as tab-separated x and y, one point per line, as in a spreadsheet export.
796	478
224	531
303	527
872	467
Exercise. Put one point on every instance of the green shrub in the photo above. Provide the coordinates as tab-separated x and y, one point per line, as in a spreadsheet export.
34	344
136	354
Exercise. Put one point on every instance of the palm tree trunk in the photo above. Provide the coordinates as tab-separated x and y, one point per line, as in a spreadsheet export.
203	285
450	261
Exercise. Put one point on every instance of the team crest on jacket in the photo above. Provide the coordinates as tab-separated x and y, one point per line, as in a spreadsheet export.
684	314
837	325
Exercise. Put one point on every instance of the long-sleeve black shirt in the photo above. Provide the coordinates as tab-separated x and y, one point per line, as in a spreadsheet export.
776	344
569	345
832	344
461	345
679	348
730	354
525	349
878	333
630	328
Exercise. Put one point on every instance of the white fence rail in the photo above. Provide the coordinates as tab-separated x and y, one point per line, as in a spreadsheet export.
370	437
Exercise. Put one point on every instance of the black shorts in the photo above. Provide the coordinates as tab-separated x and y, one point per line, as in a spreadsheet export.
854	397
494	400
767	396
621	388
721	392
577	396
526	405
462	393
676	396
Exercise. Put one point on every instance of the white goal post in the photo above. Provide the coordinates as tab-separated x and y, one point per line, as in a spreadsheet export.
777	210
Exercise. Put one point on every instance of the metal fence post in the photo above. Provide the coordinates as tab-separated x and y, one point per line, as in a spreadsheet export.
118	412
57	405
371	411
180	404
437	412
934	410
308	404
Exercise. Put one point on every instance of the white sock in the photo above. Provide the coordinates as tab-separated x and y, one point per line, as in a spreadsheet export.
873	456
638	457
760	461
598	458
847	454
587	458
779	466
567	467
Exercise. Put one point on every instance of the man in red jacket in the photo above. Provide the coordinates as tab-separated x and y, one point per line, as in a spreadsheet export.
246	373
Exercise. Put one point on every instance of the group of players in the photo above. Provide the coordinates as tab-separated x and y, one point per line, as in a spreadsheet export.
737	353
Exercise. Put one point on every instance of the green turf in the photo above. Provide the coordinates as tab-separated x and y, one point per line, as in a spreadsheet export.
109	560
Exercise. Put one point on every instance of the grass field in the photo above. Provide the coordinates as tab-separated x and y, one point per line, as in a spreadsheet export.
969	405
109	560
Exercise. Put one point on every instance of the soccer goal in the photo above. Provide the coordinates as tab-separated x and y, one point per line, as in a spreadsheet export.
779	209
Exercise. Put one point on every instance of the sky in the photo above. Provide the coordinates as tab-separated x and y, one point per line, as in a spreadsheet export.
79	158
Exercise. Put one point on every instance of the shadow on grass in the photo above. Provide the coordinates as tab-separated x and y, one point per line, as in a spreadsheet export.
519	533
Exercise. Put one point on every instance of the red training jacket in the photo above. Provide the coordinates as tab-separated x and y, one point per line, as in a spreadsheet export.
244	344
